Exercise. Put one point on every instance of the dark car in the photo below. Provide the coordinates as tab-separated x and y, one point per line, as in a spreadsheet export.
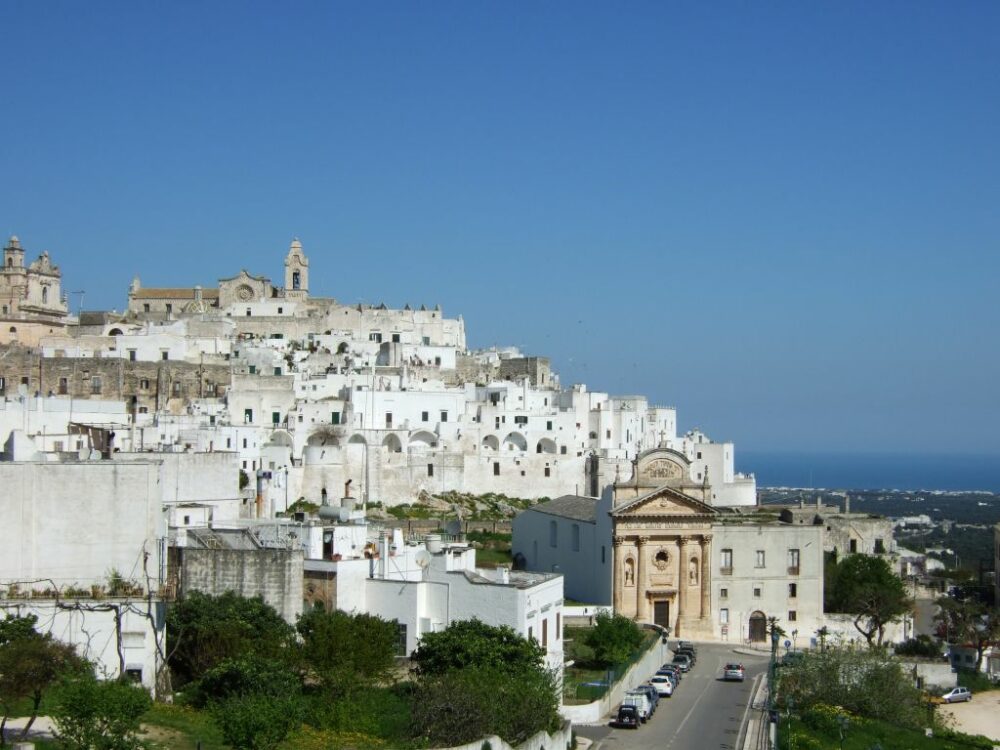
627	717
688	653
685	644
683	661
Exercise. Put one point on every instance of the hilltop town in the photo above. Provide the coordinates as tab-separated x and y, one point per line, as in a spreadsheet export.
250	438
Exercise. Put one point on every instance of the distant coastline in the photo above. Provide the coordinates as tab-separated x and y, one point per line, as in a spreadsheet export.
873	471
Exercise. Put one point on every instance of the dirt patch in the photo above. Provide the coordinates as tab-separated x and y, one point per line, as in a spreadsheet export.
978	716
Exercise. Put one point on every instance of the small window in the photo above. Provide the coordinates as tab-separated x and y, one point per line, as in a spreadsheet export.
275	418
395	338
791	615
548	471
793	590
425	416
253	369
244	442
95	384
727	561
430	470
335	417
164	354
444	416
177	389
145	307
277	370
170	308
756	592
131	355
388	420
63	386
548	425
759	559
723	593
400	639
247	416
426	340
144	384
496	468
724	616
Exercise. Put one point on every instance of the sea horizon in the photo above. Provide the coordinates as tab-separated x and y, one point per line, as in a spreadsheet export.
930	472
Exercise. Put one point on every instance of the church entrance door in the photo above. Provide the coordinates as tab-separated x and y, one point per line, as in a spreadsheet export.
758	627
661	613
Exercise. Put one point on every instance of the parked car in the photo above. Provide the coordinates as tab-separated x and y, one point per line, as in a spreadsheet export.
652	693
663	684
685	644
957	695
733	672
641	702
687	652
671	669
683	662
628	716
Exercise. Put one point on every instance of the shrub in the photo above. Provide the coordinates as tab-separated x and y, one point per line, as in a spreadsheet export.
93	715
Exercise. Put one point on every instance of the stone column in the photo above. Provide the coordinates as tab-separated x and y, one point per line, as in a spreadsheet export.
617	574
706	576
640	579
682	582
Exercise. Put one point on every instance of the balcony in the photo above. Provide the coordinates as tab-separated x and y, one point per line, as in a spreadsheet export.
726	571
793	570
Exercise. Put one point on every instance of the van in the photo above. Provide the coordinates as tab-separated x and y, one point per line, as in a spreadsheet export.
641	703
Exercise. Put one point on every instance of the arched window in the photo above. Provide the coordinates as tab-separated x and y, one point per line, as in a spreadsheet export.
13	329
45	295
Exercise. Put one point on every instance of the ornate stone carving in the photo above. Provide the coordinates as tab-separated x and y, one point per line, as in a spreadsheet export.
662	559
244	292
662	469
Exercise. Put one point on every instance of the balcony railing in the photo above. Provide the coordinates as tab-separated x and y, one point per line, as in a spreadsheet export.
726	571
793	570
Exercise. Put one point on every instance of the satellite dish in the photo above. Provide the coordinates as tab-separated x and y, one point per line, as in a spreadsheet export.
422	558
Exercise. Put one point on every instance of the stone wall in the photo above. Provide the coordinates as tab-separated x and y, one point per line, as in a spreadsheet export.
275	575
151	385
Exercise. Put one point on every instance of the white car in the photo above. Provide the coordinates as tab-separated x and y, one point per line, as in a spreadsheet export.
641	703
956	695
663	684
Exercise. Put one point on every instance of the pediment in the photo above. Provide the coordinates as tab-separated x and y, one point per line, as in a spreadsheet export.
661	466
664	501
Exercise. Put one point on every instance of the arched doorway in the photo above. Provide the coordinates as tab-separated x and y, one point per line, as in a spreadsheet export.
758	627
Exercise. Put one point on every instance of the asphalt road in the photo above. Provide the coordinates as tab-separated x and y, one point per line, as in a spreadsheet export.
704	713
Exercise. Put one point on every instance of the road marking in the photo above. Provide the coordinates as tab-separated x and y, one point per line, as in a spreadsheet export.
690	711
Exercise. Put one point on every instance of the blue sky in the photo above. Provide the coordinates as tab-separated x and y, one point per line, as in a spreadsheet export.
781	218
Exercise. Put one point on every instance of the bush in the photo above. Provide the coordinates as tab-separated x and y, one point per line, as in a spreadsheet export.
921	646
257	722
472	643
245	675
347	651
465	705
614	639
93	715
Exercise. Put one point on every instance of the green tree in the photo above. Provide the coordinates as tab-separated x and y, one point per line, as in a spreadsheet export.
256	721
472	643
464	705
347	651
30	663
95	715
614	639
207	629
865	587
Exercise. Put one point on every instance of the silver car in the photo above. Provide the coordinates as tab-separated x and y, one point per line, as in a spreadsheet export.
734	672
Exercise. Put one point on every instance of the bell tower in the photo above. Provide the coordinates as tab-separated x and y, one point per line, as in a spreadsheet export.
13	255
296	272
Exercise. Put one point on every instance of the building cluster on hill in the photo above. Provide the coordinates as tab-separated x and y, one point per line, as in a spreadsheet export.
178	446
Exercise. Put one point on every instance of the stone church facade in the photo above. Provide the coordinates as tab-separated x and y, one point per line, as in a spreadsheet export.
31	299
662	537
